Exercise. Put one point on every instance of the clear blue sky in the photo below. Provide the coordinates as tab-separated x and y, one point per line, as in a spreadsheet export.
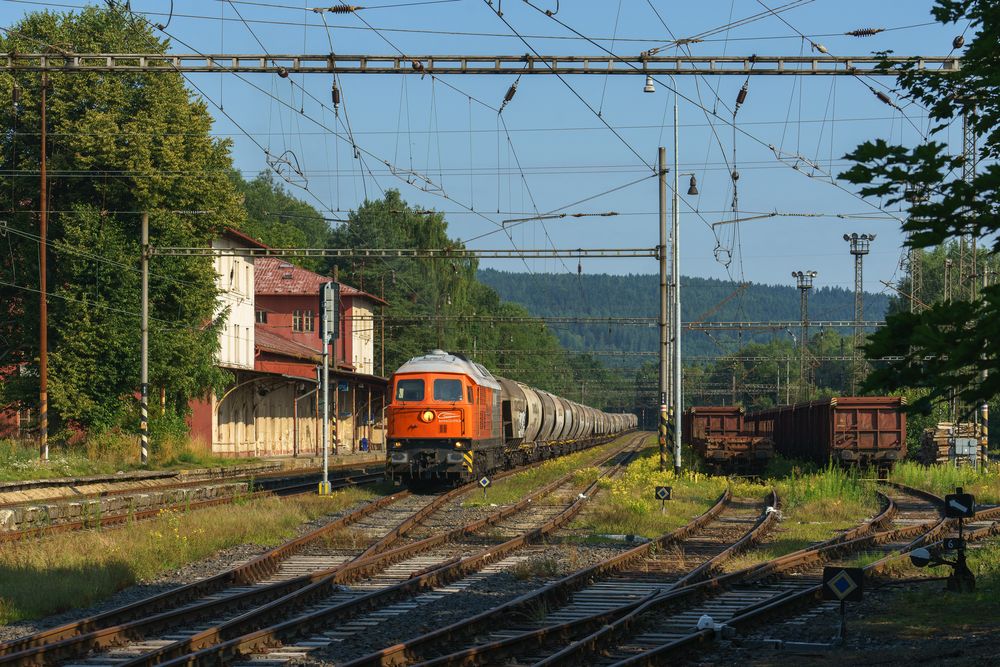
562	148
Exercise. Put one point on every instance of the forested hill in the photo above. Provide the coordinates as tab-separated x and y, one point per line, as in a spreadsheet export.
604	295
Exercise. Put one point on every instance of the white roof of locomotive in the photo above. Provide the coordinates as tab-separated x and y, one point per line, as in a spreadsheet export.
439	361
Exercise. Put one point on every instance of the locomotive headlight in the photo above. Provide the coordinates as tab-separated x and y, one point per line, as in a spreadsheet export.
427	416
458	445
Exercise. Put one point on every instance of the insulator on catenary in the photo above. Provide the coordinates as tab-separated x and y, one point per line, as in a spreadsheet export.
741	97
282	72
735	175
510	93
958	42
865	32
417	65
884	98
338	9
335	94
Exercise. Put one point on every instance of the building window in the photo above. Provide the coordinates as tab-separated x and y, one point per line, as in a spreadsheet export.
303	320
261	317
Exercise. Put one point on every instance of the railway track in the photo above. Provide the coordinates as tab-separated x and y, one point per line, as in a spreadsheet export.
396	514
589	611
364	585
80	488
749	596
278	580
683	557
283	485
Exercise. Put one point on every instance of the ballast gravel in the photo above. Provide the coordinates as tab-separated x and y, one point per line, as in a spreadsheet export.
219	562
482	596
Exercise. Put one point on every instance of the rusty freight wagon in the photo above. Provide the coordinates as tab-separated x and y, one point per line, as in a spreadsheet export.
718	434
862	430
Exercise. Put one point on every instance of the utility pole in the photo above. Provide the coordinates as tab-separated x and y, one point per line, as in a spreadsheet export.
661	252
788	392
967	268
329	304
804	281
43	306
947	279
860	246
144	354
676	269
984	407
916	278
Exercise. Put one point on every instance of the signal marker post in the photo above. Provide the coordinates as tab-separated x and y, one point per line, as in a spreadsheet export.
485	483
663	494
330	320
845	584
959	506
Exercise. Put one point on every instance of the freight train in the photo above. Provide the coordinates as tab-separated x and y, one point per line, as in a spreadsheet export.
845	430
450	419
720	436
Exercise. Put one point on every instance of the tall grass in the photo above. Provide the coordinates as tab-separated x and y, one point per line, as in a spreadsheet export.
48	576
103	454
627	504
815	506
944	478
511	489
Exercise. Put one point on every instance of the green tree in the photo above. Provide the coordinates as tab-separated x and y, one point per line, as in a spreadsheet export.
279	220
943	348
440	303
119	144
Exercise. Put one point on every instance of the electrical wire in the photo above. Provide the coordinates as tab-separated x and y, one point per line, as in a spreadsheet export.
460	33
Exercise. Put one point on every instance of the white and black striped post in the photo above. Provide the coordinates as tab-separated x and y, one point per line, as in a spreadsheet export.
144	357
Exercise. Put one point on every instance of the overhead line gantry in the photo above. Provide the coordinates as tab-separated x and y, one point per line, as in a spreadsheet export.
516	65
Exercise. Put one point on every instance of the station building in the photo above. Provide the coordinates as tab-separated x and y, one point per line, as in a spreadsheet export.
271	344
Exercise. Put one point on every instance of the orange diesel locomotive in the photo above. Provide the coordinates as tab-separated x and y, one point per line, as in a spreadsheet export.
451	419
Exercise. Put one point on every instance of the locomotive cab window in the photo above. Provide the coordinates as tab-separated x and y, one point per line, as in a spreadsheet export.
410	390
447	390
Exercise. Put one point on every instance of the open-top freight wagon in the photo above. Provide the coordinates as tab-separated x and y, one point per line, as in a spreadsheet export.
719	435
851	430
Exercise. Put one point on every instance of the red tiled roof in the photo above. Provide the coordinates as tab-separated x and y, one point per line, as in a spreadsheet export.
240	236
268	341
275	276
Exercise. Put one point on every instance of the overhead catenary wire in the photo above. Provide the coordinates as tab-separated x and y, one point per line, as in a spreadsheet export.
457	33
688	99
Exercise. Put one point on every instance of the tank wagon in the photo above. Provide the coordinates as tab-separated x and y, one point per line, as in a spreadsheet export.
850	430
450	419
721	437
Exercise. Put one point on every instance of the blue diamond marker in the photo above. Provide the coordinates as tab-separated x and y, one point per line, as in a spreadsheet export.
842	585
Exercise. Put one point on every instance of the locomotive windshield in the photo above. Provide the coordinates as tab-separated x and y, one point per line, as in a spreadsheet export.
410	390
447	390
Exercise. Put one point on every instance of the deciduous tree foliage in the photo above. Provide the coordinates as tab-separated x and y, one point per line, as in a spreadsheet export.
435	291
278	219
117	145
944	348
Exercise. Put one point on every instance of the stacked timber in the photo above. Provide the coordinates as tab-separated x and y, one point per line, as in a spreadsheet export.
937	444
